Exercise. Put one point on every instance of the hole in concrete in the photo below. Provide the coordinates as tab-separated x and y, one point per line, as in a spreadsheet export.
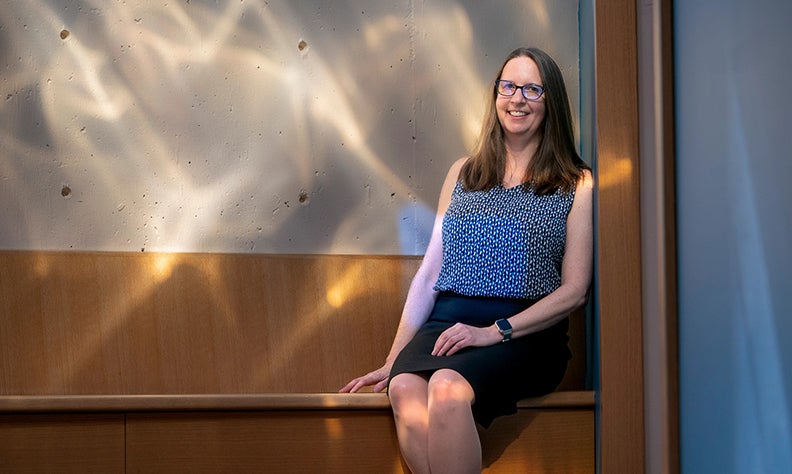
304	198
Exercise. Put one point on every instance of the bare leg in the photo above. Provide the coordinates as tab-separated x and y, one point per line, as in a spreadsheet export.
409	399
453	441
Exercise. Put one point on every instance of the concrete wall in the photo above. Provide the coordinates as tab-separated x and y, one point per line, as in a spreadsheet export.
247	125
735	221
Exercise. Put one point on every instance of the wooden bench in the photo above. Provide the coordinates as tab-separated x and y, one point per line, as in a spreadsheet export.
116	362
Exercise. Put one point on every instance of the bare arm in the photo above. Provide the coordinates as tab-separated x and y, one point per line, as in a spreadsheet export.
421	295
576	269
576	273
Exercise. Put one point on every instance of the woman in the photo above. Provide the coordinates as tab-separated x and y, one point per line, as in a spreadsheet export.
485	320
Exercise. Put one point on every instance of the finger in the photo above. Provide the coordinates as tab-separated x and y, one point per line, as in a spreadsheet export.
349	388
362	382
443	347
460	341
373	378
440	346
456	347
444	341
382	385
358	383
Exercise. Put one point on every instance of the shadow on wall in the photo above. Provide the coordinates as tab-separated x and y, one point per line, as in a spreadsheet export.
247	126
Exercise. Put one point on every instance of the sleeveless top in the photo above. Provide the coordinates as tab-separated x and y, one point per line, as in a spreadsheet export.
504	242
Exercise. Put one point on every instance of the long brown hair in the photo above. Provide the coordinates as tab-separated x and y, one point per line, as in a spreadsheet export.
556	164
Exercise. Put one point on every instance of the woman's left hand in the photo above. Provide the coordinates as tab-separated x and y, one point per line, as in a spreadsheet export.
460	335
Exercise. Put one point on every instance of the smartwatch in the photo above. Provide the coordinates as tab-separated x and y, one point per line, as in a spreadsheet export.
505	328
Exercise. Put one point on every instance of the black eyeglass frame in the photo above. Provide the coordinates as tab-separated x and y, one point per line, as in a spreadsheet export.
522	89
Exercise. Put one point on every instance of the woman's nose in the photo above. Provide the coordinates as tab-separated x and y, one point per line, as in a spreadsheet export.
518	97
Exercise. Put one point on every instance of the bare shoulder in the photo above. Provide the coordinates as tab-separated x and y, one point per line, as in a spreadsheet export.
449	184
453	172
586	181
585	186
582	203
456	167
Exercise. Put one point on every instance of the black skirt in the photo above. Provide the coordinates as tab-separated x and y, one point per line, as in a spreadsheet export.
500	374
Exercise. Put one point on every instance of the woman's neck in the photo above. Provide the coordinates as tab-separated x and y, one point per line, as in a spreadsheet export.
518	157
521	149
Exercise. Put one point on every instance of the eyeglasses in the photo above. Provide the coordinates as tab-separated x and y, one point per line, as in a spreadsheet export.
531	92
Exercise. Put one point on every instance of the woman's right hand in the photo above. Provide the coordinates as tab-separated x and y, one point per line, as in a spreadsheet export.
378	378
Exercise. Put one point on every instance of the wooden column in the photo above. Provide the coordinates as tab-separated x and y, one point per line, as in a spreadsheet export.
619	239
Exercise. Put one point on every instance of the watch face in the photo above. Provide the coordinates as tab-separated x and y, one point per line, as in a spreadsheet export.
503	325
505	328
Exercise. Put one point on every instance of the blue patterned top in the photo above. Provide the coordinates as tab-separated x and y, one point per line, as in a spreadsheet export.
504	242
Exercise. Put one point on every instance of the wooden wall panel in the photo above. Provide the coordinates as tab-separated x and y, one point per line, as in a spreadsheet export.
75	323
575	377
62	443
533	442
540	442
85	323
618	239
269	442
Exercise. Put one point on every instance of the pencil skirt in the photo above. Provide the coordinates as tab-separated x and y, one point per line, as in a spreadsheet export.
500	374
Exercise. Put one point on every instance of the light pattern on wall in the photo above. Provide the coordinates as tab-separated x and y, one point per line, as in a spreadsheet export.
247	125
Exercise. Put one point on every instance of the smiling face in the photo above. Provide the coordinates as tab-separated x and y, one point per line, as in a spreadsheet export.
519	117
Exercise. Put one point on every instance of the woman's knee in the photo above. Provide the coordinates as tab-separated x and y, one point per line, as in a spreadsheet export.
408	392
449	388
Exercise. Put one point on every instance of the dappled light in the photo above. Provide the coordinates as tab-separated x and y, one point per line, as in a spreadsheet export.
246	126
620	172
345	286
